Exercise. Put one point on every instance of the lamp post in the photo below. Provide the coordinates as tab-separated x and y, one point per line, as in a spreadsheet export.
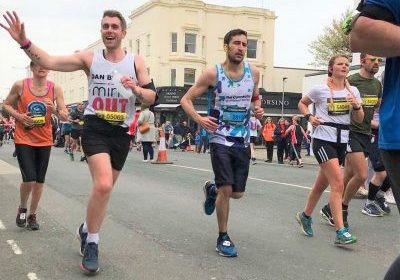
283	94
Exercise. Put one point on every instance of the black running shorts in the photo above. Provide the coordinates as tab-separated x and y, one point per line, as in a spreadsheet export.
76	133
230	166
325	150
99	136
253	139
359	142
33	162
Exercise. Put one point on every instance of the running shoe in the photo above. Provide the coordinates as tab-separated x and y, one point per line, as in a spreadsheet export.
389	197
381	203
90	260
225	247
71	156
81	236
21	217
32	223
209	199
372	210
305	224
343	237
327	215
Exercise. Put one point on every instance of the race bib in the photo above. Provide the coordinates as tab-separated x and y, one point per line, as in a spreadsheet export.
338	107
369	101
38	120
233	115
112	117
81	122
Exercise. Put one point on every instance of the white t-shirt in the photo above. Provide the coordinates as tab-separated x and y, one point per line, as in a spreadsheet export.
339	112
255	125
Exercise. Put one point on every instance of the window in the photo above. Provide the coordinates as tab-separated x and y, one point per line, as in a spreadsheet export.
174	42
190	43
190	76
173	77
251	48
148	44
138	46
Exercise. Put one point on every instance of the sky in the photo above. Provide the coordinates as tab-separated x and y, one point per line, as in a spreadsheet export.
63	26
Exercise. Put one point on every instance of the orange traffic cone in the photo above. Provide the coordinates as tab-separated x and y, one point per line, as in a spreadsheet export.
162	151
189	147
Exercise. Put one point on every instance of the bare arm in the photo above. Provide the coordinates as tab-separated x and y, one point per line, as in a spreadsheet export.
207	79
304	102
10	102
375	37
67	63
59	98
258	111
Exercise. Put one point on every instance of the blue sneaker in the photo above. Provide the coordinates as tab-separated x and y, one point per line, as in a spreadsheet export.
81	236
343	237
372	210
209	200
305	224
225	247
90	260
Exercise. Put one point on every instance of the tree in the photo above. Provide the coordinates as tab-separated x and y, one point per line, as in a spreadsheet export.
333	41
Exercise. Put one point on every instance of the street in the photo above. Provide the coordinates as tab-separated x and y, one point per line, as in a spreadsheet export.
156	228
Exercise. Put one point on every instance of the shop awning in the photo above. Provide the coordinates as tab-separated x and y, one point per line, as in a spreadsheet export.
167	106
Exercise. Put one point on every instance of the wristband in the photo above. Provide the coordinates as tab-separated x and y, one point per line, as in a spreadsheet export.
356	108
25	44
255	98
307	116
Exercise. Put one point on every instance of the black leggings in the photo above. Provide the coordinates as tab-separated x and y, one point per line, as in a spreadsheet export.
148	150
33	162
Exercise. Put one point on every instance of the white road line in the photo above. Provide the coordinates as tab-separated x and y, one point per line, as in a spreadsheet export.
14	247
250	178
32	276
2	227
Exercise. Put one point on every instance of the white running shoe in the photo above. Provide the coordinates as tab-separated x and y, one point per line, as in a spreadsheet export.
389	197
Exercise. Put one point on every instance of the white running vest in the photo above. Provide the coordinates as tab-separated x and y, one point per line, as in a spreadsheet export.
233	101
104	101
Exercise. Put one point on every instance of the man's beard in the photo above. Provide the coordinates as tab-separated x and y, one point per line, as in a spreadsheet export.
234	60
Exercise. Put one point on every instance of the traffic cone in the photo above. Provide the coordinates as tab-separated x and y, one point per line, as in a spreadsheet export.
189	147
162	151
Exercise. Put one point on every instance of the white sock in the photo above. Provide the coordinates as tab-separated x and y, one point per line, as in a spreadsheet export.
92	237
84	228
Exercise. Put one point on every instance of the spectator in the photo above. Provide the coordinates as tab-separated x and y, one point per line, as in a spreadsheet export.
268	135
280	139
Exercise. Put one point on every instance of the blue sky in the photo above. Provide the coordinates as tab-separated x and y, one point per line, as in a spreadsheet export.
62	26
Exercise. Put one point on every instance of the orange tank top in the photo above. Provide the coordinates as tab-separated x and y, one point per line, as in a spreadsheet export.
40	134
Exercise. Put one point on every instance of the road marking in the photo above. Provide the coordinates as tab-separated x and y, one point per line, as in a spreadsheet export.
2	227
6	168
252	178
14	247
32	276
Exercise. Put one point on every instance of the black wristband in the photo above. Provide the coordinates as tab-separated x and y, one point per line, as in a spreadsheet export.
356	108
307	116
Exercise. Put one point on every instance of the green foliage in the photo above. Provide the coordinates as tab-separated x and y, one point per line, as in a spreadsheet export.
333	41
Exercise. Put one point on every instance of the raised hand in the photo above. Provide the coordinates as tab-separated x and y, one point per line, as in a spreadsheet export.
15	27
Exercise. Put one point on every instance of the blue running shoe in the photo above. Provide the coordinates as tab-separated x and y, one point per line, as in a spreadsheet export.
381	202
81	236
209	199
372	210
225	247
90	260
343	237
305	224
326	213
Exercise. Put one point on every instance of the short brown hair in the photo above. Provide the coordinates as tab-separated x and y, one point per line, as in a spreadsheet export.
232	33
115	13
